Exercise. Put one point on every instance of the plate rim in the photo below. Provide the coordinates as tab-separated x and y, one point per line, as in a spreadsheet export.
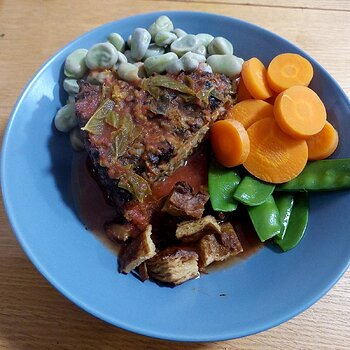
41	268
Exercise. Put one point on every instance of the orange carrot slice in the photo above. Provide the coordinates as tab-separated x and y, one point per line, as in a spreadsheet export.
254	75
230	142
289	69
243	93
299	112
249	111
323	144
274	156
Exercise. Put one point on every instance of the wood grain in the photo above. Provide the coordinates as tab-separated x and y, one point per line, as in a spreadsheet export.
33	315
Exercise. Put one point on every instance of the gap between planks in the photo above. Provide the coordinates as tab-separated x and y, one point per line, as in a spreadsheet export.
233	3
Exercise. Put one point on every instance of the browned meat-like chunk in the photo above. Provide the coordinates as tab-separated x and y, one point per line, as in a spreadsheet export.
183	202
173	265
118	232
137	251
139	135
229	239
190	231
219	246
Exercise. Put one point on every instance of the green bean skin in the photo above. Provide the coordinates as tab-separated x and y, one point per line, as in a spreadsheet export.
321	175
204	39
140	41
102	55
158	64
266	219
162	23
222	183
117	40
297	223
65	119
251	191
220	46
284	202
75	65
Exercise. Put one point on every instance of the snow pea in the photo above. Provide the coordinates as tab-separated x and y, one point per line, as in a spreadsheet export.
321	175
251	191
284	204
266	219
222	183
297	223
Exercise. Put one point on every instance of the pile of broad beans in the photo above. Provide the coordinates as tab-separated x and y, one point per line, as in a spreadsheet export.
159	49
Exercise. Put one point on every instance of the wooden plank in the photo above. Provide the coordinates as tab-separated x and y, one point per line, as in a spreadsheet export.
35	316
336	5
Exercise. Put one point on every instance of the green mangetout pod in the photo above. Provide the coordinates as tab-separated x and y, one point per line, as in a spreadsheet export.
297	223
75	66
321	175
222	183
117	41
284	202
102	55
266	219
251	191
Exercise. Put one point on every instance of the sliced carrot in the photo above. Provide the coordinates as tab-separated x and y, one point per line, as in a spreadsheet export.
243	93
274	156
254	75
323	144
289	69
230	142
249	111
299	112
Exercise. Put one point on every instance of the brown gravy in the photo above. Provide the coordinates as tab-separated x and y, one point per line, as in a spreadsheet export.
94	212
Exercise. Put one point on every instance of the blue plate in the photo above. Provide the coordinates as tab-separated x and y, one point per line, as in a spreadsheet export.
261	292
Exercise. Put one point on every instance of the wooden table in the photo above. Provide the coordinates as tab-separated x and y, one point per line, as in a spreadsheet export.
33	315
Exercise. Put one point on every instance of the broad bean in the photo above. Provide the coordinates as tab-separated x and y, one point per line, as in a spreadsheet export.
141	67
102	55
203	67
76	139
201	50
220	46
128	72
164	38
129	59
162	23
179	32
187	63
65	119
184	44
71	86
204	39
140	41
158	64
154	50
70	99
117	41
75	65
98	78
229	65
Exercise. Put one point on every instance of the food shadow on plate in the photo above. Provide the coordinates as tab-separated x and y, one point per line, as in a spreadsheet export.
59	148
